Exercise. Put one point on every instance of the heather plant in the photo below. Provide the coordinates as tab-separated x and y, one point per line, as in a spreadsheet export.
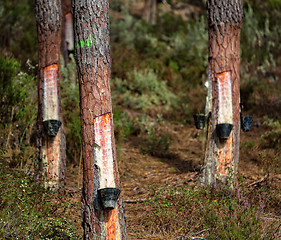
190	212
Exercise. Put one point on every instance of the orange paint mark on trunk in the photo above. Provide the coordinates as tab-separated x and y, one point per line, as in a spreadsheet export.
225	156
112	232
53	67
50	79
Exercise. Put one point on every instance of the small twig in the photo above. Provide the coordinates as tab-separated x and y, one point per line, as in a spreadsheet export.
135	200
270	214
196	238
259	181
188	237
204	230
266	218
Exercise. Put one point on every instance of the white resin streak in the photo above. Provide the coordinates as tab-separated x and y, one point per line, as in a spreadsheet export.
103	151
50	93
225	114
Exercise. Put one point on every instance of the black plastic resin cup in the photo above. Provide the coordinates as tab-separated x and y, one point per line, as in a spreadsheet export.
200	120
52	127
108	197
224	130
246	123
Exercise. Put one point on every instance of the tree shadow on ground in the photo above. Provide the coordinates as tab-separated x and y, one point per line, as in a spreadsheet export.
177	162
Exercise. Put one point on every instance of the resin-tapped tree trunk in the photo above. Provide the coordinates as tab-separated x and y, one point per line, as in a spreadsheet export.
103	218
223	138
51	148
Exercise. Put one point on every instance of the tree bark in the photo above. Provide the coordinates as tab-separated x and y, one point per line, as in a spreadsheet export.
222	156
67	39
150	11
51	150
92	54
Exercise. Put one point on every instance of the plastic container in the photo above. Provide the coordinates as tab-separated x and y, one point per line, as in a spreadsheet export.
108	197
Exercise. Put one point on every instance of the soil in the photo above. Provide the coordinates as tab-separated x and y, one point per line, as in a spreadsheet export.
181	165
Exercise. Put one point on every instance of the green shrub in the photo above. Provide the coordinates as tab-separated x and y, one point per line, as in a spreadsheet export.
141	90
18	29
17	111
258	44
124	126
157	141
272	138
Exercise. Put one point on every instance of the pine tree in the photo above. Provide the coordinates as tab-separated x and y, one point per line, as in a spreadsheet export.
103	218
223	138
51	149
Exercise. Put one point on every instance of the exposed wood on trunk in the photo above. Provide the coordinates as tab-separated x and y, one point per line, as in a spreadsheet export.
51	151
92	54
222	156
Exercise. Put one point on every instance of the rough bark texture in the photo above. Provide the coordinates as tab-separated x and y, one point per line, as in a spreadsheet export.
92	54
48	18
221	157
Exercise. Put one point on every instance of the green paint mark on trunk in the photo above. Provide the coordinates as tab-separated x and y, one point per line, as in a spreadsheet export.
89	42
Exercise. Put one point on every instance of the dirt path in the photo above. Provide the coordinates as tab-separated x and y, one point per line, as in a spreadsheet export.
139	172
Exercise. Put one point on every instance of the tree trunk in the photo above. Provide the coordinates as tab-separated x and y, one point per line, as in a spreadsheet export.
67	38
92	54
150	11
51	148
222	152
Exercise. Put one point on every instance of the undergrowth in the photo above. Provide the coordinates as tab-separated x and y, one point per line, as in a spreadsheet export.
189	212
29	211
141	90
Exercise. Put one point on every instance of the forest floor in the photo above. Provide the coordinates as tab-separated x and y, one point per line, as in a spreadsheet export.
181	166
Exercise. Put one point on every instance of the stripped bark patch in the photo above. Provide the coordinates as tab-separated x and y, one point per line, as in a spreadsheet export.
51	156
224	157
50	93
225	113
112	225
103	150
